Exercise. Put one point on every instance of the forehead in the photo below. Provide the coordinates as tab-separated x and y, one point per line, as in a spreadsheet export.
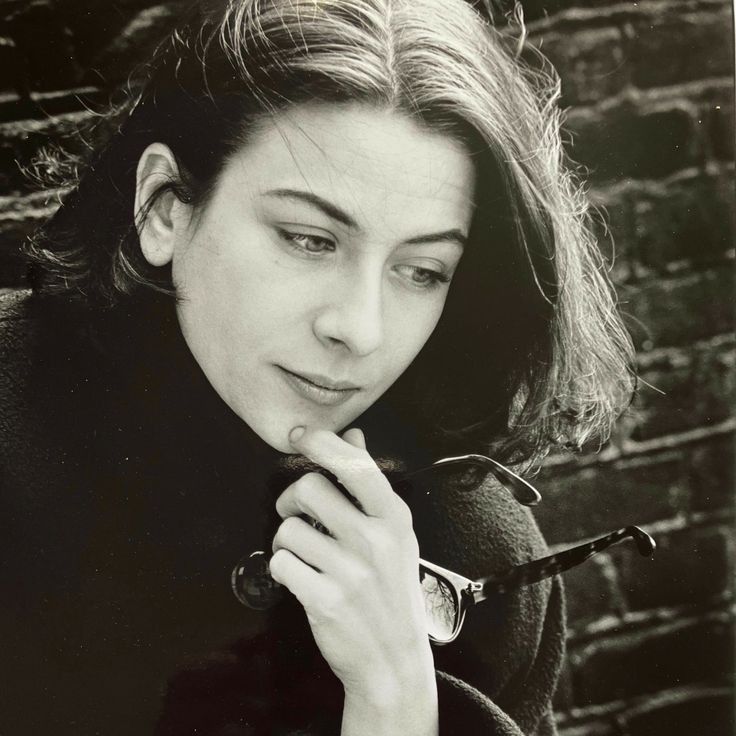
366	159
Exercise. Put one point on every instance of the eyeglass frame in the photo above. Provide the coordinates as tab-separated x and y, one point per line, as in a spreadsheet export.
468	592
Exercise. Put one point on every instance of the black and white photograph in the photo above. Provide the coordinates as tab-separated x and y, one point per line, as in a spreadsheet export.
367	368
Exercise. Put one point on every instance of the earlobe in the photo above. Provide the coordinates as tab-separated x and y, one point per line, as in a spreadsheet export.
156	211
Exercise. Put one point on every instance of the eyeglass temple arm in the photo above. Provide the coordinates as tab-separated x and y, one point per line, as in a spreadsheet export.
524	493
536	570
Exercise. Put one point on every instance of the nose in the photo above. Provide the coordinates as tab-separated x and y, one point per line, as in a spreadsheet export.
353	313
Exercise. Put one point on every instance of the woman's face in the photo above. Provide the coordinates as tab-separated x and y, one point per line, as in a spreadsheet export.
320	265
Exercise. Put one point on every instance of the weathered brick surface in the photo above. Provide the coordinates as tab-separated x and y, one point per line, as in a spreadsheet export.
591	62
711	474
674	44
682	711
665	226
58	40
627	141
691	568
596	500
686	388
593	591
598	59
689	218
114	63
679	310
711	714
647	661
719	119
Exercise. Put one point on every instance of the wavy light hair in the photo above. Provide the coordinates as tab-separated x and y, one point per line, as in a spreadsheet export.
530	350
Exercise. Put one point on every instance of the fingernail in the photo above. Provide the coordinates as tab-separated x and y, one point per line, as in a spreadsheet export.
296	434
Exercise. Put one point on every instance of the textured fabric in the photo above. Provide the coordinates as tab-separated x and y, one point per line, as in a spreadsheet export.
128	490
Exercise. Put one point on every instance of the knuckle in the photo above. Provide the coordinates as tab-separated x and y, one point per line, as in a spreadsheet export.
402	514
277	565
412	546
289	527
371	535
304	490
283	533
355	462
360	579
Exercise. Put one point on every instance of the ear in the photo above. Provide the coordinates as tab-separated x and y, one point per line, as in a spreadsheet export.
159	230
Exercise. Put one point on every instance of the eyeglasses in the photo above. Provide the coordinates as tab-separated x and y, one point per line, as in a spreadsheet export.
447	595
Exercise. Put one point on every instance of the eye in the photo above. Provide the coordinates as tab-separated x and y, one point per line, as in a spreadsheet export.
307	243
423	278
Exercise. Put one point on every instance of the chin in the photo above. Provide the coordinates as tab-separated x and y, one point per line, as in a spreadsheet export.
276	432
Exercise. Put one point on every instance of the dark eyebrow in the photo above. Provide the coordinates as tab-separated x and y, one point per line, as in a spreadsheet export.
327	207
453	236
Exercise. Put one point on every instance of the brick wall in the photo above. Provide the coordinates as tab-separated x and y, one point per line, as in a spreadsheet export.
649	87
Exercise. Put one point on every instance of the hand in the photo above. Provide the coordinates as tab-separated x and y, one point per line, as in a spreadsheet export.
359	585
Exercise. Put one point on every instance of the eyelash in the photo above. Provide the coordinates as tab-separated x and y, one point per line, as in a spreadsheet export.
434	278
292	238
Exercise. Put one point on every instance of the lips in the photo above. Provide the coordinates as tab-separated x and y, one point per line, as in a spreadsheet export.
319	389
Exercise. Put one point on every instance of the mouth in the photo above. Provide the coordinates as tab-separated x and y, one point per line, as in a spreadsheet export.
319	389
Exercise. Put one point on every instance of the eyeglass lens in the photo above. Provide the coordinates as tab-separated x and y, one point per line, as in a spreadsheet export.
253	585
441	605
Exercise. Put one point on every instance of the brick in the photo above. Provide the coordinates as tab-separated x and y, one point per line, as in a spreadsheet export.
45	104
592	63
651	660
630	141
688	219
590	728
78	28
672	46
536	9
718	119
697	386
10	76
592	591
710	472
593	501
114	63
95	31
679	310
45	56
690	567
711	714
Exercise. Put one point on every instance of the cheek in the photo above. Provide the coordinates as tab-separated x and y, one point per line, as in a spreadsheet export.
410	326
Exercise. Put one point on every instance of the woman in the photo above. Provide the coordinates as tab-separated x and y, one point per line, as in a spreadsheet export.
316	216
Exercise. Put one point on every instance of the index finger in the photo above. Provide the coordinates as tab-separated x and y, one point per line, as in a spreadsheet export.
353	467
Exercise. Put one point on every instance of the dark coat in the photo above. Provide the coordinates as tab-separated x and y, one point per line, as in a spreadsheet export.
128	490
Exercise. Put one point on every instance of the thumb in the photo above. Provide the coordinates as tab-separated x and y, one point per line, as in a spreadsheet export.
355	437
